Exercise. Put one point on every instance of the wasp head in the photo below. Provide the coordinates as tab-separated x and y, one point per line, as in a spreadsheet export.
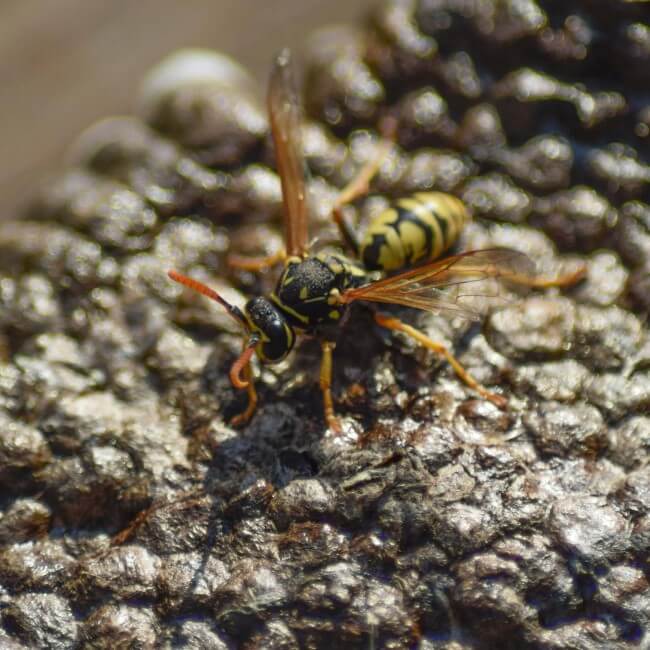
276	336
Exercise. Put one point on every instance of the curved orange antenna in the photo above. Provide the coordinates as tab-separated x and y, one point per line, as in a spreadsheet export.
241	363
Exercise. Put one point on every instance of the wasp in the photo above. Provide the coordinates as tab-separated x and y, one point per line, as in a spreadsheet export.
399	260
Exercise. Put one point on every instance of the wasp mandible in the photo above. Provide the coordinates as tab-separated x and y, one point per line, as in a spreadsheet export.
403	243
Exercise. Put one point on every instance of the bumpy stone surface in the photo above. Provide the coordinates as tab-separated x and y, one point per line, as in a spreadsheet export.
133	515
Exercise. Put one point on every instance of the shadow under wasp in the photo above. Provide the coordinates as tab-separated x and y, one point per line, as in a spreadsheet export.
396	261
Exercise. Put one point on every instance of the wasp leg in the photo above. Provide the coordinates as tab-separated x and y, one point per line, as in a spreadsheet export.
560	281
347	235
243	365
397	325
325	384
256	263
358	187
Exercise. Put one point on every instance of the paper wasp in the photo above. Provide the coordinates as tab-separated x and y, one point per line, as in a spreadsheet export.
314	291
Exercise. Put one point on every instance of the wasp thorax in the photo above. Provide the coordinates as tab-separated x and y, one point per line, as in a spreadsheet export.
309	290
276	335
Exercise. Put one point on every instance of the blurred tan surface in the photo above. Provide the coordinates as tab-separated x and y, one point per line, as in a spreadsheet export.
66	63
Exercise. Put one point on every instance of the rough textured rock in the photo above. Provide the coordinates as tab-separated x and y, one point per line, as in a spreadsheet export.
133	515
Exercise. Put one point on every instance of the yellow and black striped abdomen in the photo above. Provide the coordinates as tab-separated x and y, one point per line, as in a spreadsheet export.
412	231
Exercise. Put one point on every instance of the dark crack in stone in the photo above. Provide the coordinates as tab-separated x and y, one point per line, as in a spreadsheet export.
133	515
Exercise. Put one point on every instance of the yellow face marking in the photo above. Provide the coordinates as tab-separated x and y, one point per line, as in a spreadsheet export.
259	348
290	335
304	293
334	315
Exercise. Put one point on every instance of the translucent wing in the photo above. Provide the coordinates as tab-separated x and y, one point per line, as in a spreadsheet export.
468	279
286	124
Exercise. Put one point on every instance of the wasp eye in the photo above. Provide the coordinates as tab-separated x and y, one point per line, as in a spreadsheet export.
276	335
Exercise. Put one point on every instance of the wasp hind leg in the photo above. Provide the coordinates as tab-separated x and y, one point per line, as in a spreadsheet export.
397	325
325	386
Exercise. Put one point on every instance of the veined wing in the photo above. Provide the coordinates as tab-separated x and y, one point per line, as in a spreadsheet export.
286	124
466	277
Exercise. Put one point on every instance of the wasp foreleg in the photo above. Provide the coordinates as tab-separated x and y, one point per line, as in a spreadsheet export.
325	386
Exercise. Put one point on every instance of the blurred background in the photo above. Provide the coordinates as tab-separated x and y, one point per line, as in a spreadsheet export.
67	63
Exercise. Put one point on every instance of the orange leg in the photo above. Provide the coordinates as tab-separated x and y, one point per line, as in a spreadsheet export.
397	325
256	264
325	386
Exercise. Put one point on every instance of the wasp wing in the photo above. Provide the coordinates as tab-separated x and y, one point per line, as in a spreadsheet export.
286	123
469	280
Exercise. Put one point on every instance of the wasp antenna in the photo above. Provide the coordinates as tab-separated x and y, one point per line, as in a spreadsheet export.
239	365
191	283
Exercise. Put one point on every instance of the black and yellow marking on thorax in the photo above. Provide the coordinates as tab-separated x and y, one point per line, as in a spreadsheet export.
308	290
412	231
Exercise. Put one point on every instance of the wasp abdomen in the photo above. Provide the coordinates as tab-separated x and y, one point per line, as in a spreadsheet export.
413	230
